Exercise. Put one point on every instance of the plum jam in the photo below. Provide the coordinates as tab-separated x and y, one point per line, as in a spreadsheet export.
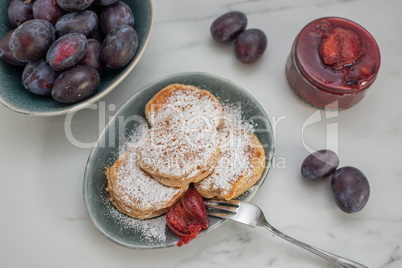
187	217
332	63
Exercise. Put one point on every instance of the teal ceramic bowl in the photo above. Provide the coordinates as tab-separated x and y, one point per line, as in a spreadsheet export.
14	96
151	234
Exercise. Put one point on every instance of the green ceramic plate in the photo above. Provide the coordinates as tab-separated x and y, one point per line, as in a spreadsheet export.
149	234
14	96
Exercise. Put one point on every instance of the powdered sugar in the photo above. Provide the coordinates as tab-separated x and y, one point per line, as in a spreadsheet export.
134	187
187	102
175	147
235	159
234	163
134	139
233	119
132	177
149	231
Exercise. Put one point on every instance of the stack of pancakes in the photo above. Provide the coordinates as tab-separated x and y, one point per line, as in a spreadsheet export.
188	144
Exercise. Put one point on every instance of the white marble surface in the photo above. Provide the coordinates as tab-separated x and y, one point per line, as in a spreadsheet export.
43	219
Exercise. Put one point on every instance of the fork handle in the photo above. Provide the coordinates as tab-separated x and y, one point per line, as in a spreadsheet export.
337	260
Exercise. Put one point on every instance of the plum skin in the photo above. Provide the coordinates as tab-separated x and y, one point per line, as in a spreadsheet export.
350	188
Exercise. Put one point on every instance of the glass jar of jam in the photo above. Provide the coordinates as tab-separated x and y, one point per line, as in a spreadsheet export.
332	63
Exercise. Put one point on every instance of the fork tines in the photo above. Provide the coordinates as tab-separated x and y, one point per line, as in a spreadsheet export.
221	209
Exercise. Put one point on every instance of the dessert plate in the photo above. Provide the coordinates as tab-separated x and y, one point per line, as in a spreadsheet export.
129	119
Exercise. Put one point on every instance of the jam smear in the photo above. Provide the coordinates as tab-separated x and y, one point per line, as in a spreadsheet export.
340	47
187	217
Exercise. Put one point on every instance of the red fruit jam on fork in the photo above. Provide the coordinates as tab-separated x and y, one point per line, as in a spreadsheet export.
332	63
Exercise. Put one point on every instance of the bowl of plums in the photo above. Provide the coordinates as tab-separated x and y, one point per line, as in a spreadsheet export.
62	55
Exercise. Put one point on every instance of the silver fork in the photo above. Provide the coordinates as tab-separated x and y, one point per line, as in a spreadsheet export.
252	215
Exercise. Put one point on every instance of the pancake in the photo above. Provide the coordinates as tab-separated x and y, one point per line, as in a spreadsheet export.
185	101
175	154
194	176
240	166
136	193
